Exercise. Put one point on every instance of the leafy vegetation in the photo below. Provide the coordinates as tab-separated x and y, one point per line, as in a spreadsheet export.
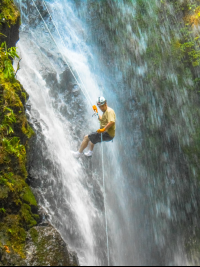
6	62
189	43
8	12
16	198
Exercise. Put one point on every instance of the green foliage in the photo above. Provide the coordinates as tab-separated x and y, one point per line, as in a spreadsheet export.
27	130
3	34
13	233
8	120
13	147
188	45
16	197
8	12
5	60
2	210
28	197
6	178
34	235
27	216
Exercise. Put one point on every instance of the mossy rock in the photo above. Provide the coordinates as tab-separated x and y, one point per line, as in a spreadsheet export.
12	234
4	192
45	247
9	22
16	198
28	197
27	216
9	13
21	243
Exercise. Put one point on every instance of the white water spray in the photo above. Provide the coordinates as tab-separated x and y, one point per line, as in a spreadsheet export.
80	85
31	77
90	103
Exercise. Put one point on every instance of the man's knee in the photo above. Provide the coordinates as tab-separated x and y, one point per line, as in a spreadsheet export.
86	138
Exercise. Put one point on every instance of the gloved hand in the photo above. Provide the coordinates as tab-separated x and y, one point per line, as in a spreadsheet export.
101	131
95	109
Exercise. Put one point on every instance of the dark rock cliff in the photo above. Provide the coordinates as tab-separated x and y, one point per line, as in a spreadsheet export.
26	236
9	23
11	33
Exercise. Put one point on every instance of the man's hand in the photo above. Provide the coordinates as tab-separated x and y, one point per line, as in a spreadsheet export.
101	131
95	109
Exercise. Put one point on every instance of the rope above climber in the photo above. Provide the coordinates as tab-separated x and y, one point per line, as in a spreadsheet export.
106	133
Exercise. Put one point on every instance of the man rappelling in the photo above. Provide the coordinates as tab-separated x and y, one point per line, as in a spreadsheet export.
106	132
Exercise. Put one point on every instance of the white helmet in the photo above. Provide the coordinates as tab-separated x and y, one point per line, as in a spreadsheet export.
101	101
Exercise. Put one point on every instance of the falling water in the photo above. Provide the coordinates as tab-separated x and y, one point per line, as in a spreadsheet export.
124	51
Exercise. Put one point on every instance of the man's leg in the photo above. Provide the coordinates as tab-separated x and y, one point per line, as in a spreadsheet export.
95	138
91	146
84	144
90	152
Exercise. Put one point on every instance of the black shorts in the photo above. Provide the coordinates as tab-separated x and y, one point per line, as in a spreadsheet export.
96	137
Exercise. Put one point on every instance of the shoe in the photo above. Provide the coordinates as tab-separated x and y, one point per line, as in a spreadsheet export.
89	154
77	154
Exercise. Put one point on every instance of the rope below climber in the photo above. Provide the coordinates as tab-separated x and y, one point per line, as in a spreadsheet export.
106	131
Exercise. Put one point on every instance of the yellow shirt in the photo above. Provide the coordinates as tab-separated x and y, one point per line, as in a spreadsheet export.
109	116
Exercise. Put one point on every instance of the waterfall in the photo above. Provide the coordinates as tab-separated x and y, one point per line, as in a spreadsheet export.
125	51
59	112
70	190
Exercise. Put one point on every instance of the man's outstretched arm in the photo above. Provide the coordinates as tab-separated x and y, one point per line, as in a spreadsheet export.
96	110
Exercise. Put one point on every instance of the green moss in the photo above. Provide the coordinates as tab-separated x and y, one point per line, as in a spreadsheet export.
34	235
16	198
2	211
40	243
28	197
4	192
27	130
8	12
27	216
12	234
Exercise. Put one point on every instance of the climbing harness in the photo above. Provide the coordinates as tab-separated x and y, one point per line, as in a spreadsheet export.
106	222
86	94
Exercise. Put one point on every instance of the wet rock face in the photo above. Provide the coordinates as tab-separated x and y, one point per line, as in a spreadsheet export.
11	33
44	247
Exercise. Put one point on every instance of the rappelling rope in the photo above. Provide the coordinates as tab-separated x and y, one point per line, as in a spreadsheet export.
106	221
57	27
65	47
79	84
53	22
89	100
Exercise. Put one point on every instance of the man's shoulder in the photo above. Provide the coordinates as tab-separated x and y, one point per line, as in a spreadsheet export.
111	110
